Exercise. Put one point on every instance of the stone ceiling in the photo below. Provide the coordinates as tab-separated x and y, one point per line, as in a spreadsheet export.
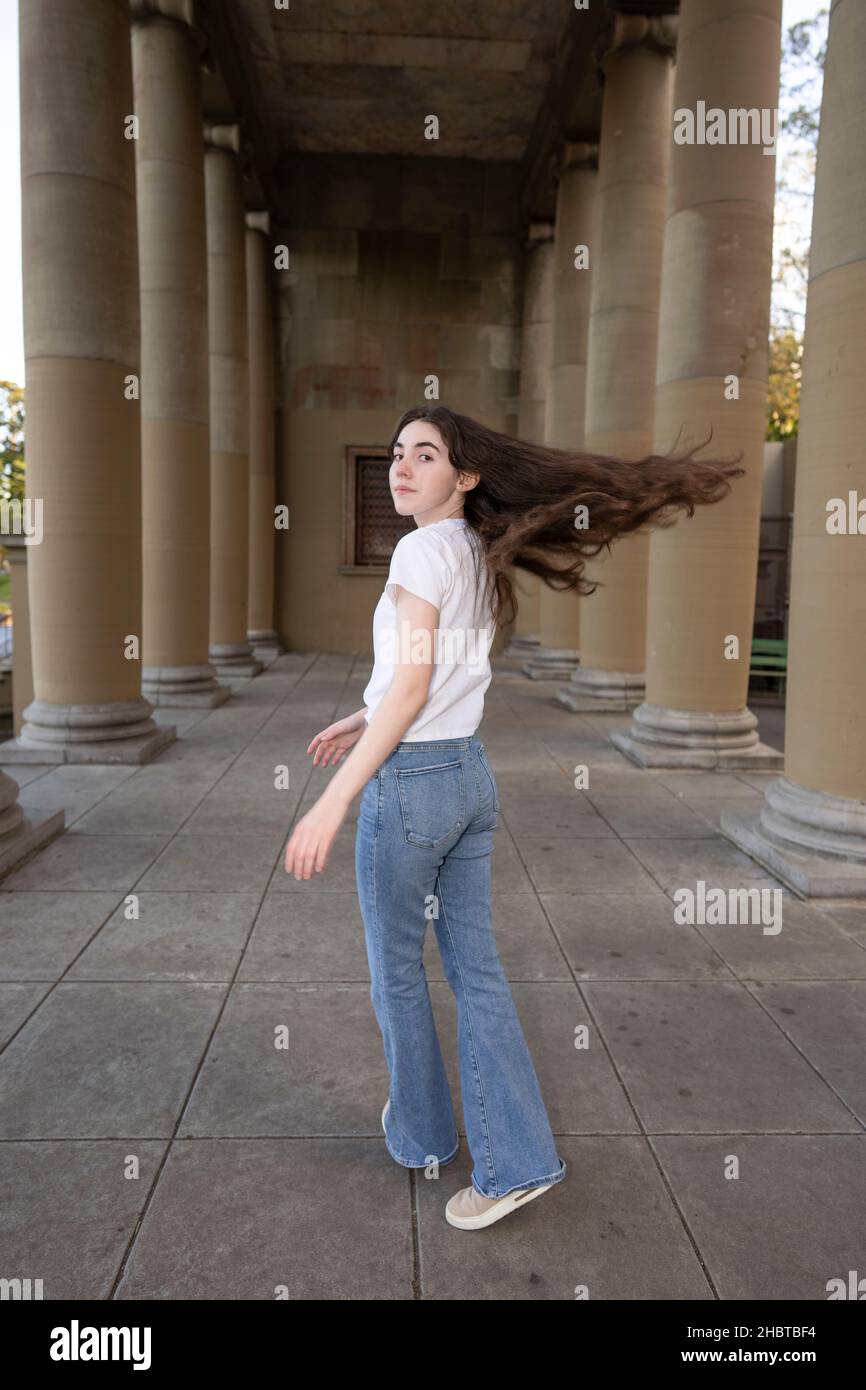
360	76
507	79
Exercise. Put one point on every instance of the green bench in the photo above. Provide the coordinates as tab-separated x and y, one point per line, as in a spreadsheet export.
770	658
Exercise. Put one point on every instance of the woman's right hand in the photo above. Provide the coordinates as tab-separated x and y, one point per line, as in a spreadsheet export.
337	739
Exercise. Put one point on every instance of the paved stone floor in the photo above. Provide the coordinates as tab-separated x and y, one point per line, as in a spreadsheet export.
155	1143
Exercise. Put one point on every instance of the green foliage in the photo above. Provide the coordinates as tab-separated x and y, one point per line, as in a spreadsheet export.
12	472
785	379
804	53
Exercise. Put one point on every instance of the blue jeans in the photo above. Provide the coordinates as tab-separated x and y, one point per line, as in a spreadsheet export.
422	853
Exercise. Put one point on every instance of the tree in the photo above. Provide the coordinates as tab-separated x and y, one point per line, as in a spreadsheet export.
804	52
785	377
12	482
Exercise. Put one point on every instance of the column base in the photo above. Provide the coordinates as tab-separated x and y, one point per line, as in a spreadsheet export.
118	731
266	645
22	836
551	663
522	645
813	841
235	660
662	737
591	690
183	687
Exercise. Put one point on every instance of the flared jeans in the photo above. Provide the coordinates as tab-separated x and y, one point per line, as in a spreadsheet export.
422	854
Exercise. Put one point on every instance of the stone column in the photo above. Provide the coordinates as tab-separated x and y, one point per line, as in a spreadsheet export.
174	356
81	341
623	331
20	835
260	332
230	651
811	829
712	371
559	613
535	334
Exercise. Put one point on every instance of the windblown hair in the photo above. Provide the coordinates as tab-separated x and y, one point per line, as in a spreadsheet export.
522	510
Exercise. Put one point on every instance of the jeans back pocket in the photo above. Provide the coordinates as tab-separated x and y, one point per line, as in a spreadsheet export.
432	802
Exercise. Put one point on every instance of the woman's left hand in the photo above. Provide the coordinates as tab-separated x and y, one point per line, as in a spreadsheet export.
310	843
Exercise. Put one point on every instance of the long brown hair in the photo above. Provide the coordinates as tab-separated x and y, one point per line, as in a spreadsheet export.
522	509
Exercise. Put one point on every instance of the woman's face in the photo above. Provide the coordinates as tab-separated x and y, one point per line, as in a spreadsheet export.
424	483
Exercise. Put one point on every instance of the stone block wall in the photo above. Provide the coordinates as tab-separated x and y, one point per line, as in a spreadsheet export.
398	269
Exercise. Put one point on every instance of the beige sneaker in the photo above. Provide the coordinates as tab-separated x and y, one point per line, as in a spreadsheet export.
469	1211
384	1113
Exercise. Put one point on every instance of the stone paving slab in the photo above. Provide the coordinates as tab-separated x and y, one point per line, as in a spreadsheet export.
42	932
88	862
699	1056
616	1235
218	862
17	1003
246	1219
107	1060
183	936
70	1209
791	1219
629	936
705	1081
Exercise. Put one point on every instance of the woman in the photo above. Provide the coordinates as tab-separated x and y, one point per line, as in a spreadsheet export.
481	502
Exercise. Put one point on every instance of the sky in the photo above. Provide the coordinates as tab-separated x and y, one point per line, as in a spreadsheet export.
792	219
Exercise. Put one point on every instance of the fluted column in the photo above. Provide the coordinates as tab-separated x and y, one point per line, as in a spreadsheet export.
811	829
535	332
174	357
230	651
260	333
712	370
623	331
559	612
81	341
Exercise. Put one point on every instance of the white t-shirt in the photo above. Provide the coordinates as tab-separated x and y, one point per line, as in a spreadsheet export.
436	563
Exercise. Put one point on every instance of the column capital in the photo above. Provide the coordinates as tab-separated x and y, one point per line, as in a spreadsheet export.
229	136
223	136
573	154
539	230
181	10
258	220
634	31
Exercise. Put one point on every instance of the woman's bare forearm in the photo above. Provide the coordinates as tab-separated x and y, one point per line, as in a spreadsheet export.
391	718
